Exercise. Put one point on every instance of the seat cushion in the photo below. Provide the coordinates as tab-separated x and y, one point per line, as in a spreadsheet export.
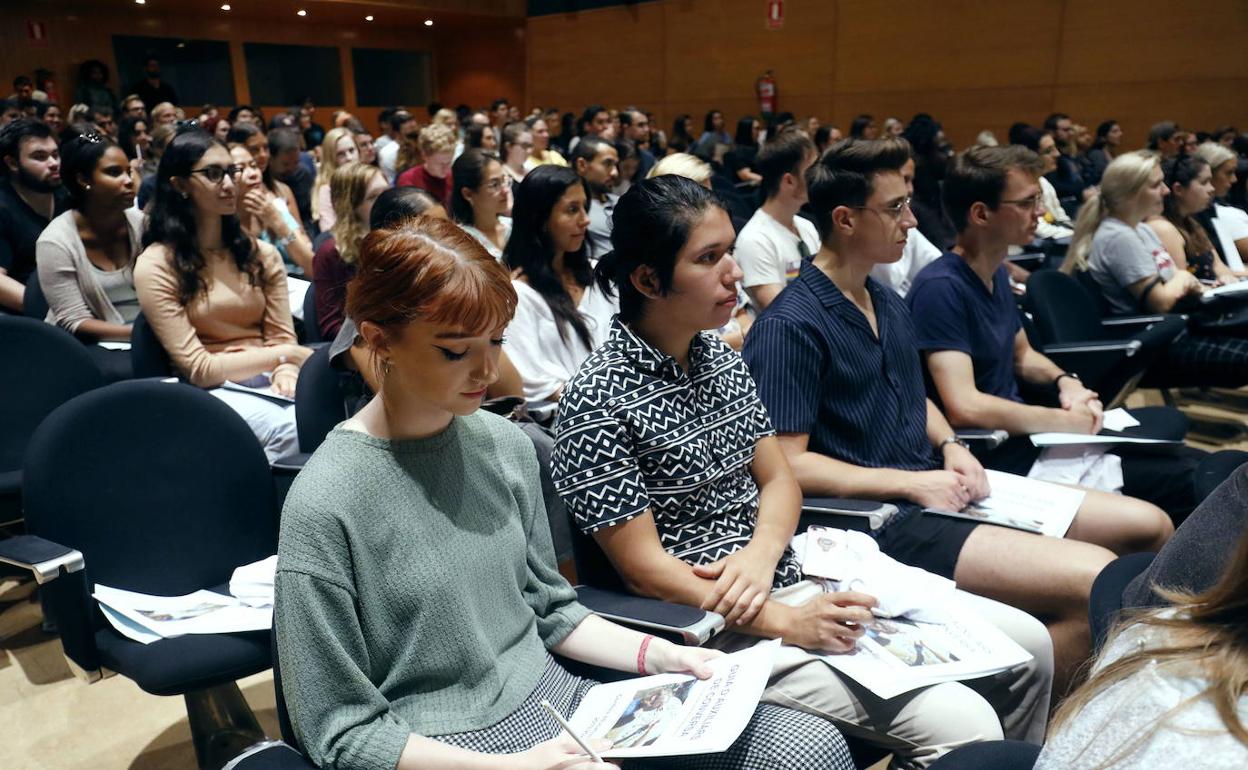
185	663
1159	422
11	483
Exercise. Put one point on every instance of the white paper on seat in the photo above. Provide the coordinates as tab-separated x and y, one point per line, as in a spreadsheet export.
1070	439
252	584
1119	419
201	612
107	345
677	714
296	288
1022	503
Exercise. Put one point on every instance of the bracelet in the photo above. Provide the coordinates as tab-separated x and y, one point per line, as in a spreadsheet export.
641	654
1058	379
287	239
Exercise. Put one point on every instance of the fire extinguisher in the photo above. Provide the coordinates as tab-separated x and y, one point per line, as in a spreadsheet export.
765	87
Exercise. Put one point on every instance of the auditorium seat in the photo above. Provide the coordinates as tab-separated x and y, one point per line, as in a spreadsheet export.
311	325
997	755
1105	604
34	304
147	355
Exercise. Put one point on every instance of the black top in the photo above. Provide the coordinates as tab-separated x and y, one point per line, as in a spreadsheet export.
20	226
300	181
154	95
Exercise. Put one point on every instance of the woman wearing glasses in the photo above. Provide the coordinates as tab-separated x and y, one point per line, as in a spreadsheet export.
481	199
277	191
215	296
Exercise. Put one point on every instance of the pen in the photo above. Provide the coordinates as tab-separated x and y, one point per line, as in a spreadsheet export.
564	724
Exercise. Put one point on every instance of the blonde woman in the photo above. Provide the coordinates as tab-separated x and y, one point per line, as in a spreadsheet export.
354	188
1170	689
683	164
338	149
1136	274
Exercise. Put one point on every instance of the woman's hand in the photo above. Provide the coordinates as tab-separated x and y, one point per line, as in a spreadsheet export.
664	657
284	382
295	354
560	753
742	584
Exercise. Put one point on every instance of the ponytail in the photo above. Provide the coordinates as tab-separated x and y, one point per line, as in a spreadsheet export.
1091	214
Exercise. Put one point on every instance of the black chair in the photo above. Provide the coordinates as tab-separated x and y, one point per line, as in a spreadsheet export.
311	327
34	304
44	367
319	404
1105	604
1110	355
146	353
1215	469
158	488
990	755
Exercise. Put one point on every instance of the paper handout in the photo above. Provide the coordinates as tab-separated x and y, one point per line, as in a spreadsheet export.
1022	503
1119	419
677	714
1065	439
261	386
163	617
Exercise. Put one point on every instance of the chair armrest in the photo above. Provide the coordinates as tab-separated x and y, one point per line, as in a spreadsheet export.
44	559
845	513
691	625
1132	320
270	755
985	437
1093	361
290	465
1095	347
1033	257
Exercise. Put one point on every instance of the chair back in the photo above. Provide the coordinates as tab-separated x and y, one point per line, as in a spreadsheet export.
41	367
1062	309
319	404
147	355
34	304
311	325
161	486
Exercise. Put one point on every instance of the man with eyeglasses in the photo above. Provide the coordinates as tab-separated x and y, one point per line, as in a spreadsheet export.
977	353
31	195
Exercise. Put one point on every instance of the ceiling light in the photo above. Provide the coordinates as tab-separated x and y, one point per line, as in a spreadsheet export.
301	12
140	2
428	22
225	7
368	18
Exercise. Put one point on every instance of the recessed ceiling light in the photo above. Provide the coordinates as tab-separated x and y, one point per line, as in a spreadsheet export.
428	22
225	7
140	2
368	18
301	12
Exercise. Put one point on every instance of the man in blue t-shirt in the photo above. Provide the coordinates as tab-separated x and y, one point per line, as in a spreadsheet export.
976	351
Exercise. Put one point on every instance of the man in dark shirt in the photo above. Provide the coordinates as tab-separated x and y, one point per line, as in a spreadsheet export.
30	196
285	162
151	89
636	128
976	350
1067	179
836	364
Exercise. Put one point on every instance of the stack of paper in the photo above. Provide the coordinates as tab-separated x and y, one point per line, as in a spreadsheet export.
1021	503
147	619
1226	290
253	583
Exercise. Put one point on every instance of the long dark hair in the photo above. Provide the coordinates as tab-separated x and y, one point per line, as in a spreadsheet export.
745	132
468	171
1183	170
127	131
239	133
1102	134
172	221
651	224
531	250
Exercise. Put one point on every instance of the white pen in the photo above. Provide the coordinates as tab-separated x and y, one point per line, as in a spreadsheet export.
564	724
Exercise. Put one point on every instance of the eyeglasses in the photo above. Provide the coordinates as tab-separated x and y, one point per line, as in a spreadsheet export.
1030	203
214	174
894	211
497	184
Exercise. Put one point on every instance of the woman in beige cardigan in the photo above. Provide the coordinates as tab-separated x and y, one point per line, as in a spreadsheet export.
85	256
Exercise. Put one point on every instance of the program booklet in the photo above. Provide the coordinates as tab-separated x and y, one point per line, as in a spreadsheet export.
677	714
146	619
261	386
1023	503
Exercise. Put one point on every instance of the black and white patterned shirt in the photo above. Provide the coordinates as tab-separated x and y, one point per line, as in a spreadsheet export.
637	433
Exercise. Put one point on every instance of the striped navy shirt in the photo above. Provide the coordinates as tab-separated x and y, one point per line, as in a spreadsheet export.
822	371
637	433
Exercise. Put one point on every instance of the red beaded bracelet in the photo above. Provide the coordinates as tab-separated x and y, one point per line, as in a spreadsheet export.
641	654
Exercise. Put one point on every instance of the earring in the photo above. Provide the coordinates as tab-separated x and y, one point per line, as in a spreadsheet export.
185	195
86	187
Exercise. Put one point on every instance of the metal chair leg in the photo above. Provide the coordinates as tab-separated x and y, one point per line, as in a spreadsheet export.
222	724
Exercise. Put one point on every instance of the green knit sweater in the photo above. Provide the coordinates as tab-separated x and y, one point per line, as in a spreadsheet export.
416	589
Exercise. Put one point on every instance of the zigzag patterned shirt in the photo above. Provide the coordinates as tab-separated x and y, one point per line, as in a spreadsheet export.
636	433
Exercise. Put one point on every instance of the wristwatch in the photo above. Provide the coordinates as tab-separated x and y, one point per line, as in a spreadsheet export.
1057	381
952	440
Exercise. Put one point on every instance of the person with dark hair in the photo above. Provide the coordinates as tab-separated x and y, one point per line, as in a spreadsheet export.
514	151
102	119
499	110
1067	177
739	161
595	121
31	195
134	140
837	366
597	162
480	137
481	200
152	89
931	154
542	152
977	357
1054	222
50	114
773	244
918	252
666	456
86	255
24	90
402	128
93	89
10	110
1190	182
629	166
1166	139
682	134
245	113
1104	148
215	297
863	127
561	315
253	138
285	149
714	131
635	126
266	217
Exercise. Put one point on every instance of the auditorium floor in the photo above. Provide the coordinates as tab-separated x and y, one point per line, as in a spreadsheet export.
51	720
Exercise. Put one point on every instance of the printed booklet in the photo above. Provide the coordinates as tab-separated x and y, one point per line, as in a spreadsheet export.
1023	503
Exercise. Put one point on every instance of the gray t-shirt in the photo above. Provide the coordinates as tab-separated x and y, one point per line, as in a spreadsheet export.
1121	256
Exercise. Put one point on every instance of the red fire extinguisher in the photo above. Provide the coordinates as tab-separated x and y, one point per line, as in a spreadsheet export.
765	87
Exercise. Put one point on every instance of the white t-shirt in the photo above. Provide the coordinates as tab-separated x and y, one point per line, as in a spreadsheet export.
1231	224
918	254
386	158
545	361
767	251
494	251
600	225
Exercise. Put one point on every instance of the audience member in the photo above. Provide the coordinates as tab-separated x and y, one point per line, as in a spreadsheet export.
516	145
135	142
1190	184
931	160
1228	224
152	89
266	217
597	162
1104	149
628	166
50	114
481	200
93	89
313	132
245	113
1054	222
917	254
686	165
499	111
10	110
978	358
739	162
435	176
561	315
24	90
542	153
1169	688
102	120
664	453
893	127
714	131
354	188
217	127
1067	177
837	365
635	126
337	149
133	107
1135	273
216	298
363	141
86	255
31	195
682	133
863	127
1166	139
285	165
403	128
248	134
773	244
161	136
